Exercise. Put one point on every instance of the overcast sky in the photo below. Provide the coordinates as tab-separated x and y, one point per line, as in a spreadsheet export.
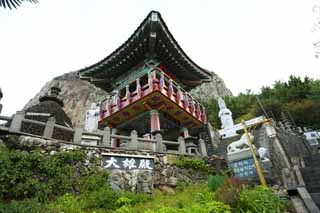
248	43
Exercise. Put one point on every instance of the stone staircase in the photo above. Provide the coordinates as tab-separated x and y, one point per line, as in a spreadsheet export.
311	176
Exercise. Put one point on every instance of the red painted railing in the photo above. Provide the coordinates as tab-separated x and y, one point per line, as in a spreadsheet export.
157	80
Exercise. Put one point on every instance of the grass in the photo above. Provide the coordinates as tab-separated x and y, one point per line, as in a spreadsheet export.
182	199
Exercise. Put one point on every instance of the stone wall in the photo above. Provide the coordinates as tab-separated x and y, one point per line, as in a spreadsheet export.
165	175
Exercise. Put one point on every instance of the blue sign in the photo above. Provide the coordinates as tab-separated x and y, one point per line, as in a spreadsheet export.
244	168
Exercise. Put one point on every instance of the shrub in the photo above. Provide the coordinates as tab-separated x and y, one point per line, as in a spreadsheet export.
94	181
212	207
259	199
66	203
229	191
35	175
101	198
22	206
214	182
135	198
195	163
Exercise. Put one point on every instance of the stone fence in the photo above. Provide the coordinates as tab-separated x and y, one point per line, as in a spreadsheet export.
18	124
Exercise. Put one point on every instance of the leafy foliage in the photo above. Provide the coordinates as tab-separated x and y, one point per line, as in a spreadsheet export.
22	206
259	199
195	163
214	182
14	3
297	97
32	174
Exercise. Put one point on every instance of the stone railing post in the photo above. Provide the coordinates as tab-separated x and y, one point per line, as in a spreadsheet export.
106	138
182	146
159	143
133	144
114	140
16	122
77	135
48	131
202	147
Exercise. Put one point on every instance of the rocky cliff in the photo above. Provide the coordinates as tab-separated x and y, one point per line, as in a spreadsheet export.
78	94
211	89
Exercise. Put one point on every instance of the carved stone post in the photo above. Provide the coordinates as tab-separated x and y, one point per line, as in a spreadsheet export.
77	135
133	144
48	131
106	138
114	141
202	147
159	143
15	125
182	146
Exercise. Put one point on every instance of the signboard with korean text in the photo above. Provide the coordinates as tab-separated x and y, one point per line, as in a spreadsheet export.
243	168
127	162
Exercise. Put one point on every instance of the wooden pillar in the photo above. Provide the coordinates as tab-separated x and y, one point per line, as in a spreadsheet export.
154	122
128	94
150	80
138	88
185	101
118	101
178	95
170	89
108	107
161	82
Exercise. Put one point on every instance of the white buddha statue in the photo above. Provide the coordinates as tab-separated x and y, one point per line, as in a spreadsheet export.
225	116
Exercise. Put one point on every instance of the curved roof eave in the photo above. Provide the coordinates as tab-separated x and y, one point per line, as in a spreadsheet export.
205	75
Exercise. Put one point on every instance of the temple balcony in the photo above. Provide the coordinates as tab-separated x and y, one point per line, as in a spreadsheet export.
155	90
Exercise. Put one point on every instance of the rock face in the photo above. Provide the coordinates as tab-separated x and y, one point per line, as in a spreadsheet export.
212	89
78	94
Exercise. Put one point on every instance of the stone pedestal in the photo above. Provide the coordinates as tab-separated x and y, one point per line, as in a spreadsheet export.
90	140
243	154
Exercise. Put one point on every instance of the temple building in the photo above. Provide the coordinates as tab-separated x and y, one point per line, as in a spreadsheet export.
148	79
